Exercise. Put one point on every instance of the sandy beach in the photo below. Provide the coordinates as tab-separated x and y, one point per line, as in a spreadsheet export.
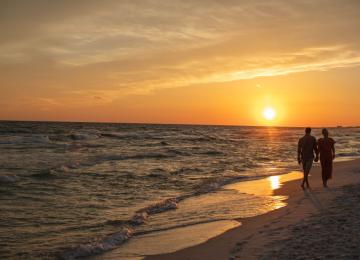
313	220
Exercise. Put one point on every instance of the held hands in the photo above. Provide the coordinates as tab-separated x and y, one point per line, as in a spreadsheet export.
299	160
316	159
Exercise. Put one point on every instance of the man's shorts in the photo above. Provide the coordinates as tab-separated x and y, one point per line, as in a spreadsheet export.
307	164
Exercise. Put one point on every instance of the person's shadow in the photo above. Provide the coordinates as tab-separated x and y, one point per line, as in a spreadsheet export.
314	199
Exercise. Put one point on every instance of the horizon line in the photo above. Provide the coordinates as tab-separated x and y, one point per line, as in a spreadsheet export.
179	124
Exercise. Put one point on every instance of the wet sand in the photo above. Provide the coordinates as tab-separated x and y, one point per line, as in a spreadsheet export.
315	223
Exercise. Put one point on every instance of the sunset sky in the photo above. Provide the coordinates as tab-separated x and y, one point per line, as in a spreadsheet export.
196	62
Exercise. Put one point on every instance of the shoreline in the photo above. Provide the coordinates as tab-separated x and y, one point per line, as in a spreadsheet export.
257	190
250	239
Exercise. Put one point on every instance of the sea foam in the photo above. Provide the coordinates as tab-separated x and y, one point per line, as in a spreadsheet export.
97	247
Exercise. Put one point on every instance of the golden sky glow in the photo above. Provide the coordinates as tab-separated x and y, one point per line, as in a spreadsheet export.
202	62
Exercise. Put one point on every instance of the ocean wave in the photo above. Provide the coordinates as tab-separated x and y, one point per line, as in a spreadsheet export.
39	139
200	139
99	246
212	152
139	218
118	238
8	179
168	204
173	151
136	157
73	137
67	167
77	137
12	130
25	140
116	222
120	136
55	172
350	154
184	170
45	174
142	215
158	172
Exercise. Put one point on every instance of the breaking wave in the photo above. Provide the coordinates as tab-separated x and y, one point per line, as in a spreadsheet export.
98	246
111	241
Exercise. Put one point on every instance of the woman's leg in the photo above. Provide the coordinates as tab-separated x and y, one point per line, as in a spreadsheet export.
328	170
323	172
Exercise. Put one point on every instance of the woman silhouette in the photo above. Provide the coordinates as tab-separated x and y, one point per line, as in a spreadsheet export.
326	147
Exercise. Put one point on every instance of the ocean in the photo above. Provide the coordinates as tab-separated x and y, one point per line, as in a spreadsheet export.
78	189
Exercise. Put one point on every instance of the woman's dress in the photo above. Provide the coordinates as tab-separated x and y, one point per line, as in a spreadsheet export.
325	146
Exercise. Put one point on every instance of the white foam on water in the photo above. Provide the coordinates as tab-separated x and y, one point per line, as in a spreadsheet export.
97	247
170	240
139	218
83	136
165	205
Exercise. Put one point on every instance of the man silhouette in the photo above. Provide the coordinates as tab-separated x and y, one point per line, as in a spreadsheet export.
307	147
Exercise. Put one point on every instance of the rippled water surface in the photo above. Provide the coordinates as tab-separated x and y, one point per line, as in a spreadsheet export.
67	184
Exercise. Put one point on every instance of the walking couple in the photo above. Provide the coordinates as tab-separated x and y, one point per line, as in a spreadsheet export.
309	150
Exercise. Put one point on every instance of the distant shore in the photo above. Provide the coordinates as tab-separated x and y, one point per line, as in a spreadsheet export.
312	217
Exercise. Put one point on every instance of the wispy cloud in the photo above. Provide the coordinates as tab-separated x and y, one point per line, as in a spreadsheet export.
110	48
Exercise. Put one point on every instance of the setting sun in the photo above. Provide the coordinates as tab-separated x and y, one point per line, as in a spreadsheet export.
269	113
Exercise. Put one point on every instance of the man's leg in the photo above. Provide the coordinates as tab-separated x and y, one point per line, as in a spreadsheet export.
304	174
307	178
307	172
303	182
307	164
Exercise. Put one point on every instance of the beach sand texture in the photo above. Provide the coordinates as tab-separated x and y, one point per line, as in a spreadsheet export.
316	224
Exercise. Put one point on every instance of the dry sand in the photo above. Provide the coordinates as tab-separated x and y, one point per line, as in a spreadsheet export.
317	223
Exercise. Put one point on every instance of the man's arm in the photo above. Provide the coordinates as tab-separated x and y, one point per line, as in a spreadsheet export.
316	150
333	149
299	151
